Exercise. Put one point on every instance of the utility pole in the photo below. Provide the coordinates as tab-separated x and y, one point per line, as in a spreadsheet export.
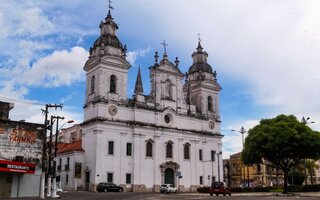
50	159
54	192
44	146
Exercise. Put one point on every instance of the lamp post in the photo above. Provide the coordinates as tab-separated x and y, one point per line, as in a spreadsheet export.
306	121
218	155
54	192
242	131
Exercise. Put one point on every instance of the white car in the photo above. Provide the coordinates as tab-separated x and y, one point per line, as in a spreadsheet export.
168	188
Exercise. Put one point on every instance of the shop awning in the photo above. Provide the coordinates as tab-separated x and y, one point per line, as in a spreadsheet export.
18	167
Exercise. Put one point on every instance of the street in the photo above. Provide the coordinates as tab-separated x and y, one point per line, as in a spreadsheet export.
185	196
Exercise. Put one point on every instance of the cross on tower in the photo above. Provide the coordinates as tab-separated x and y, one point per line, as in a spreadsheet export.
164	46
199	39
109	6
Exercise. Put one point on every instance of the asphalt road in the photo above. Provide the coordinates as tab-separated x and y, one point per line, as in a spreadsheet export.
158	196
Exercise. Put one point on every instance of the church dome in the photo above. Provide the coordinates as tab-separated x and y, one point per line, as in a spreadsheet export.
200	63
201	66
111	40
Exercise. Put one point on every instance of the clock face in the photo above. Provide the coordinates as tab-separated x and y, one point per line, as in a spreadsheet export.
211	125
101	52
113	110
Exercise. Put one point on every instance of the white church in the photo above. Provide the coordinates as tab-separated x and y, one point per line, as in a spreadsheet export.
171	135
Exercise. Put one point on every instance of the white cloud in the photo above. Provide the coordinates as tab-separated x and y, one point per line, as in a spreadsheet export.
232	140
57	69
133	55
272	46
23	19
30	111
9	90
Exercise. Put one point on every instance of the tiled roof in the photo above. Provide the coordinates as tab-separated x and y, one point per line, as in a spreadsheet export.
69	147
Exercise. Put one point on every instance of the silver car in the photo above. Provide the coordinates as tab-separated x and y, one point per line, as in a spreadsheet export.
168	188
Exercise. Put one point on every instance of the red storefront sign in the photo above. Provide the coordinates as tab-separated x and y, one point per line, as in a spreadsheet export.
18	167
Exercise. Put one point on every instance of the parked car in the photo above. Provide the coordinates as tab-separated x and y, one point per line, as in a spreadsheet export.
108	187
219	188
168	188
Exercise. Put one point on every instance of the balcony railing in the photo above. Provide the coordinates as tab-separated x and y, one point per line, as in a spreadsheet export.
59	167
66	167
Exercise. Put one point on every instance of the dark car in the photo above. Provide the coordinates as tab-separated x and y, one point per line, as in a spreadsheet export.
108	187
219	188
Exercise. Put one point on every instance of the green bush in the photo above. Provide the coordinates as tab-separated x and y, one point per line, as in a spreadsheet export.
237	189
263	189
203	189
292	188
311	188
297	177
295	188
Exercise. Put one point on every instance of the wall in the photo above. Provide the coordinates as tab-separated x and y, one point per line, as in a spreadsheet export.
119	164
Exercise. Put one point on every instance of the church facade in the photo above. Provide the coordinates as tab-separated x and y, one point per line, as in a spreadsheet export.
171	135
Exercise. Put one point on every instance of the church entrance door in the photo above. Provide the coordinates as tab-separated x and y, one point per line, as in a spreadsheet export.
169	176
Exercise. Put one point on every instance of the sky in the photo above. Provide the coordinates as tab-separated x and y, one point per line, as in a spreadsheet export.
266	53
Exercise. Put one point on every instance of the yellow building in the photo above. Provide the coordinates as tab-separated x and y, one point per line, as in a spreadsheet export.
236	174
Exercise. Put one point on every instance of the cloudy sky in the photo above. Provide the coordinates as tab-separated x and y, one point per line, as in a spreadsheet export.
266	53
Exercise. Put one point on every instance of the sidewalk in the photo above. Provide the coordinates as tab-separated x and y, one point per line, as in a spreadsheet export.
301	194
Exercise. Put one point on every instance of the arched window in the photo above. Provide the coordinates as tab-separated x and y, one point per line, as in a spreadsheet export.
168	89
169	150
149	149
186	151
92	82
210	106
113	84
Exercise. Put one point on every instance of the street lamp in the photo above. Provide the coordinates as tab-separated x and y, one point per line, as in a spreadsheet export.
305	122
54	192
218	154
242	131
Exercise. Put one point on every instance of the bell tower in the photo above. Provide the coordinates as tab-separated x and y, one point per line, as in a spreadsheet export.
106	69
202	86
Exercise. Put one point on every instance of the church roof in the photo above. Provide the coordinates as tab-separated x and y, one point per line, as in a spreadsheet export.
111	40
200	66
70	147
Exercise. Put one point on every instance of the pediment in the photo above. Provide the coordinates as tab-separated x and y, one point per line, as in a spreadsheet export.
168	67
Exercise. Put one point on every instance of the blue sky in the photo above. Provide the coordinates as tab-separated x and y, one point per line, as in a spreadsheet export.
266	53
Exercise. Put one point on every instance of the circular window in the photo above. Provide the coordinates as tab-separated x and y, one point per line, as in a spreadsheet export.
167	118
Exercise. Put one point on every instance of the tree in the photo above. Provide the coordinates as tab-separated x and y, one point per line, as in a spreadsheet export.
281	142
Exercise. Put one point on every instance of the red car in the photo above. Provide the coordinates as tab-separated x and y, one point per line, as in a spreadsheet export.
219	188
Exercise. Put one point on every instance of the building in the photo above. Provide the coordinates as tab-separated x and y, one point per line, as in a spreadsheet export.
239	175
171	135
69	166
316	173
20	156
70	158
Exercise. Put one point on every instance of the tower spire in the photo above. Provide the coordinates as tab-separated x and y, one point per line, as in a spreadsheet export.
138	87
110	8
199	48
